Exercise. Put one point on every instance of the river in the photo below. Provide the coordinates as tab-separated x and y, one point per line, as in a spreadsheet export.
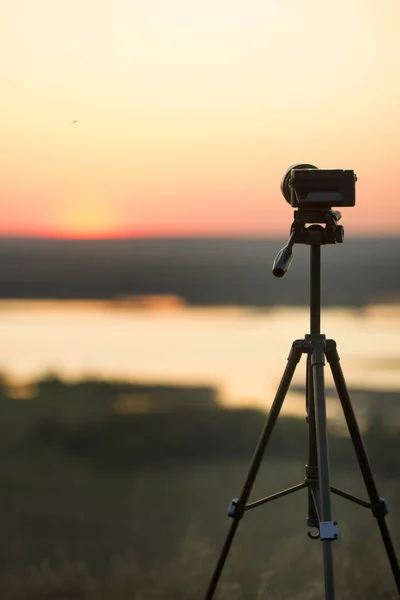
241	351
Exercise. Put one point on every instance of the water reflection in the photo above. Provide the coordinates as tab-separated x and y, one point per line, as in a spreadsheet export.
242	351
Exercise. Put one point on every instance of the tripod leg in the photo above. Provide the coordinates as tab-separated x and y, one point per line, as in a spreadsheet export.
378	506
238	507
328	529
312	463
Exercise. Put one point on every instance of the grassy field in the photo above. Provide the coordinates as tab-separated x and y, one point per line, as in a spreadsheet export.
69	531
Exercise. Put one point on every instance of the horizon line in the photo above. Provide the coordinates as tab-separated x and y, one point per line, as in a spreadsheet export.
176	236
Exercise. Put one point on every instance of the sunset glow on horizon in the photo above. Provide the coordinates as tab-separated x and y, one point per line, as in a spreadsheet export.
188	114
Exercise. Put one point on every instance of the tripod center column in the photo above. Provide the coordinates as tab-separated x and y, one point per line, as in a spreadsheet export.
315	290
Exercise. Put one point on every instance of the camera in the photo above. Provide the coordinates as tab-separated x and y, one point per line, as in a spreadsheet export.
307	187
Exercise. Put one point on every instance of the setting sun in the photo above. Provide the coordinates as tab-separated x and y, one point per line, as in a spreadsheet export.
87	220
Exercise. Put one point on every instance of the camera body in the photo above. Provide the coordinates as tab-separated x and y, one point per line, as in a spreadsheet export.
309	188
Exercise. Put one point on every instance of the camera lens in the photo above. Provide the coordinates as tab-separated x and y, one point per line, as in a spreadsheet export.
285	187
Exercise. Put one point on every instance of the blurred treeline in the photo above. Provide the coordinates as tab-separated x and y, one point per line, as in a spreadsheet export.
199	271
119	491
121	426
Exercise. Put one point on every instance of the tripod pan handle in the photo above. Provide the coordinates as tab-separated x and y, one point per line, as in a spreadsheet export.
282	261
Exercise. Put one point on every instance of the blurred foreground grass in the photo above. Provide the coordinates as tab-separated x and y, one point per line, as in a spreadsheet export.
71	532
99	506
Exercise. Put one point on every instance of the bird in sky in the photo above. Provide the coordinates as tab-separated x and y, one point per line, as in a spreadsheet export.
72	122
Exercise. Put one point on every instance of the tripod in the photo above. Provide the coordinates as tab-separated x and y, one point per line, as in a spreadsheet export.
316	480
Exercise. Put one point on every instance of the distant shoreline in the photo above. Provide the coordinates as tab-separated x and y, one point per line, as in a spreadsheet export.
171	304
197	271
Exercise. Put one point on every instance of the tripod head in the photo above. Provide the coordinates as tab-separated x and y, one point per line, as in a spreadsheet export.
313	235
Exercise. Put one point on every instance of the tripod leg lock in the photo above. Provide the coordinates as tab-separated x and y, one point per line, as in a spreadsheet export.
328	530
236	510
380	509
298	348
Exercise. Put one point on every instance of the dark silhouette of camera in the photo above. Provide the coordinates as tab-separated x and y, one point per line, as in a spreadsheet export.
307	187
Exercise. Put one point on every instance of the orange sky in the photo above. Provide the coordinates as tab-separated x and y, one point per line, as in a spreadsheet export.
190	112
